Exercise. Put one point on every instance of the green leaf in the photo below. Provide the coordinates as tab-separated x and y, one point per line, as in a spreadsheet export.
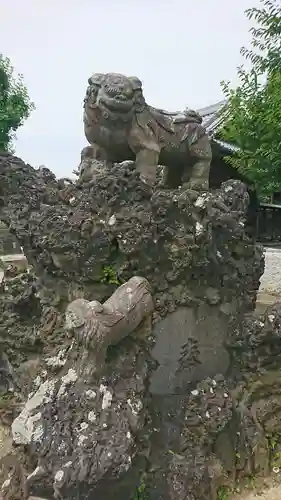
253	114
15	105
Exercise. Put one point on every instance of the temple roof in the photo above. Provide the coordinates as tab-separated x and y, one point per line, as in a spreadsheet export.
213	117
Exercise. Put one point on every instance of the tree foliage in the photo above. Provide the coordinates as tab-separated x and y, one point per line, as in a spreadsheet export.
253	113
15	105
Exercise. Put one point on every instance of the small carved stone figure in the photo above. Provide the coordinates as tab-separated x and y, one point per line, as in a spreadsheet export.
120	125
97	326
85	167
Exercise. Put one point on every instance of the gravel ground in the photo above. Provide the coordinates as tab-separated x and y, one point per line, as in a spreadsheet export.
269	490
273	493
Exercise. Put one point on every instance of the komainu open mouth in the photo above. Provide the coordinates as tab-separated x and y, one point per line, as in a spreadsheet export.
119	103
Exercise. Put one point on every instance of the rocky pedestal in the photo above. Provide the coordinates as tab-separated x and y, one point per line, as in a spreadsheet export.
8	244
181	422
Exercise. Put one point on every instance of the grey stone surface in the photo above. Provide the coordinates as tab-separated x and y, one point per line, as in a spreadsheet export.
188	348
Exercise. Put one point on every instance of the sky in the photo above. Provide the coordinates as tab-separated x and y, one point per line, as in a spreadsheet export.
180	49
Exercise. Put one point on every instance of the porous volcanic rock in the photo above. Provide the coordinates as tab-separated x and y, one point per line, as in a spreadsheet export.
83	240
85	423
257	357
85	439
20	313
225	429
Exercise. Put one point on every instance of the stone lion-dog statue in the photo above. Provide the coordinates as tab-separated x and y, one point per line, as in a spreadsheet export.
120	125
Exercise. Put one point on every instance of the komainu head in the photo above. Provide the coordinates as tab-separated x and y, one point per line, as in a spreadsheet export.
113	94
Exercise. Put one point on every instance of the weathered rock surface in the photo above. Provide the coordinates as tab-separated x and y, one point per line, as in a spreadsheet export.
100	233
197	427
85	439
227	429
8	244
20	312
81	424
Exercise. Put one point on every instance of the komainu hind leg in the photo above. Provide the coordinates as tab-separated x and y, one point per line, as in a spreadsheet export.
201	153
